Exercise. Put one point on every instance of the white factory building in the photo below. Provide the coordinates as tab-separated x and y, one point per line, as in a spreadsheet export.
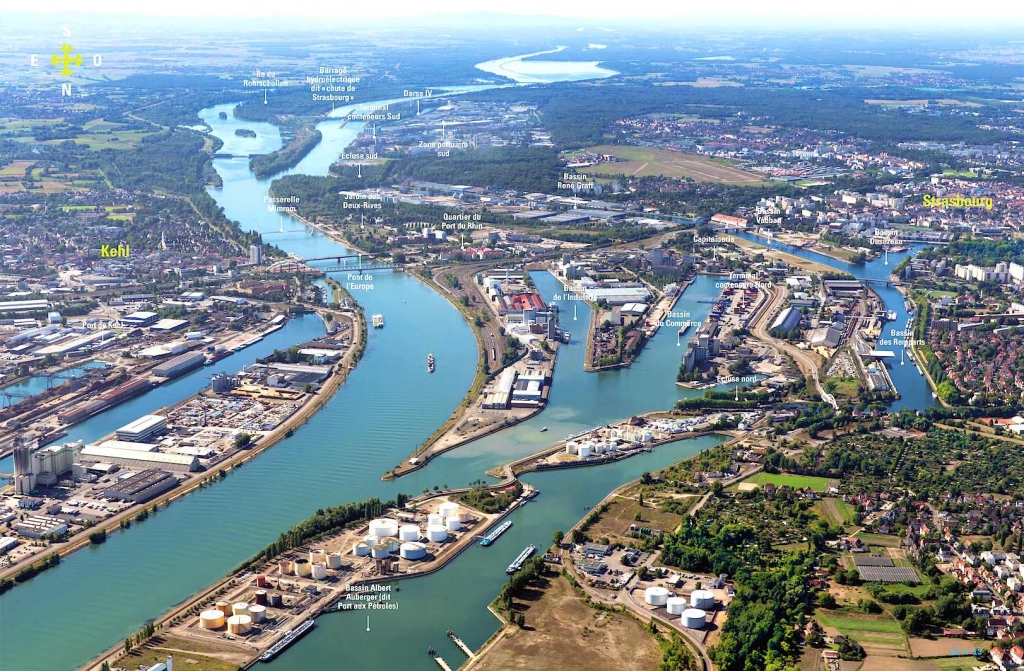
143	428
140	459
515	389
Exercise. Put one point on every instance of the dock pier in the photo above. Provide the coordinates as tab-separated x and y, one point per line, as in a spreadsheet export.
459	642
443	664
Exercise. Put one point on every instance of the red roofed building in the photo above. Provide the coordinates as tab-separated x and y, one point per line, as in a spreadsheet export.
728	221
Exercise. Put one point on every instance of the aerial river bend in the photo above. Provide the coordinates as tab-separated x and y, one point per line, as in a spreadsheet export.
388	405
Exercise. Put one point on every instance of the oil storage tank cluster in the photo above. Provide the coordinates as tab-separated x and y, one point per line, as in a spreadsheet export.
694	618
656	596
413	551
703	599
675	605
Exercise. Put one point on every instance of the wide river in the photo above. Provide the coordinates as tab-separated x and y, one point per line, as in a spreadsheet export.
387	407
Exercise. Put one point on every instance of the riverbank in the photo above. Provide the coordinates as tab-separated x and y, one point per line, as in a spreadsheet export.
341	591
237	585
284	430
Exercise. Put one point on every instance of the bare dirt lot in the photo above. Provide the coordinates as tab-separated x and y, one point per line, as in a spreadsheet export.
564	633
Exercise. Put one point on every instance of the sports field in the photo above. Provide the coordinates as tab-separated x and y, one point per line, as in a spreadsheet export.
643	161
795	481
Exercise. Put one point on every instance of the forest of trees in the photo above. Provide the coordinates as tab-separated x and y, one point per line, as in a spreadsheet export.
288	156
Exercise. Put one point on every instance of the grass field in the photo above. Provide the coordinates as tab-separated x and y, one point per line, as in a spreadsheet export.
641	161
836	511
959	173
795	481
852	623
15	168
564	633
880	539
614	524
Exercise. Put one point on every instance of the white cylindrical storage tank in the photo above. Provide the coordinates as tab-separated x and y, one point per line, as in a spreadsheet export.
413	551
301	567
392	544
453	523
384	528
571	447
694	618
285	567
434	518
448	509
317	556
703	599
648	437
319	571
239	624
258	613
360	549
409	532
437	533
379	551
656	596
675	605
211	619
584	451
598	448
240	608
334	560
371	540
464	516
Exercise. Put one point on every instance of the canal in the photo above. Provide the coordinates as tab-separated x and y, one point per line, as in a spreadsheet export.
387	407
914	391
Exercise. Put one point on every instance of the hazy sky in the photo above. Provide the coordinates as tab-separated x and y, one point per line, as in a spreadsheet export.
977	14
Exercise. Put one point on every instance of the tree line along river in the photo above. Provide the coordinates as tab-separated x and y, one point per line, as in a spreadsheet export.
388	405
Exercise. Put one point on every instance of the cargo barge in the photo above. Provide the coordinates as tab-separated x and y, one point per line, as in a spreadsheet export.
521	559
492	536
289	638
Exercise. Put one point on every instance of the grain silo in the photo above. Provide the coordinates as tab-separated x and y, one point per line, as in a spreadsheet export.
703	599
675	605
694	618
656	596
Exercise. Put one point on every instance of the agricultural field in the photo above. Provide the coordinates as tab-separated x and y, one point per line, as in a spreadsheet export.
642	161
836	511
882	540
879	635
796	481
